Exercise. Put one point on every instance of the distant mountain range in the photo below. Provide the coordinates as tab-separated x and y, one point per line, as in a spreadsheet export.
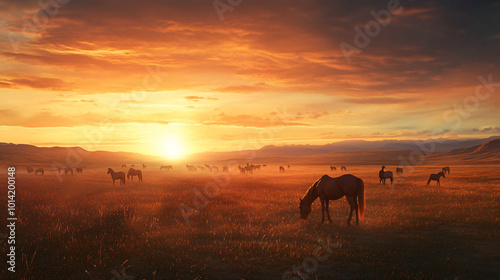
476	151
342	147
22	154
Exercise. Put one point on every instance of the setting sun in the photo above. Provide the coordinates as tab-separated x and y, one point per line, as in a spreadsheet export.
172	147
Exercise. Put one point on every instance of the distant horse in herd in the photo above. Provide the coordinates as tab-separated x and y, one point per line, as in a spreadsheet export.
332	168
385	175
435	177
68	169
166	167
282	169
328	188
117	176
446	169
124	166
191	168
79	170
342	168
143	166
399	170
39	170
132	172
29	169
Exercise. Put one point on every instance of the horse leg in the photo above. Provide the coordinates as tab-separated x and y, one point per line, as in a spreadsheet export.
439	184
350	199
322	209
356	208
328	211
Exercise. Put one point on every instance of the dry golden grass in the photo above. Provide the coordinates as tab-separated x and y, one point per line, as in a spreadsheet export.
83	228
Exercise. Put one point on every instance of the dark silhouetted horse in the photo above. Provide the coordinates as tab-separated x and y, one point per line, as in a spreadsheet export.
282	169
39	170
399	170
435	177
385	175
446	169
79	170
117	176
124	165
132	172
328	188
342	168
166	167
68	169
333	168
243	170
29	169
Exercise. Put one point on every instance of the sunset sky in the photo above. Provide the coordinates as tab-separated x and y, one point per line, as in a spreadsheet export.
175	77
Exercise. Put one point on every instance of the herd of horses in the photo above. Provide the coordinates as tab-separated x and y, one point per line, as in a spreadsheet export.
326	188
383	175
206	167
350	186
342	168
41	171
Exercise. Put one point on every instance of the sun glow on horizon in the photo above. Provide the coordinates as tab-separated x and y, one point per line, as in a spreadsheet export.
172	147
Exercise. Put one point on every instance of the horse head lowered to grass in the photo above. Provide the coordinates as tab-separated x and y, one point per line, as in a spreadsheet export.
328	188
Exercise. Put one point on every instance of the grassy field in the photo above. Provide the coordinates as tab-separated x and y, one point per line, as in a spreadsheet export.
84	228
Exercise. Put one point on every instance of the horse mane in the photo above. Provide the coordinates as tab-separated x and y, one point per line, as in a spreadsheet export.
312	192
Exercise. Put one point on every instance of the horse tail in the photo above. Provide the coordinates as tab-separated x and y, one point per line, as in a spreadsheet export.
361	198
429	181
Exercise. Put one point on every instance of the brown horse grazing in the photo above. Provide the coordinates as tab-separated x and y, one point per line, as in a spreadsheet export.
132	172
68	169
343	168
282	169
333	168
328	188
435	177
29	169
39	170
385	175
117	176
399	170
446	169
79	170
